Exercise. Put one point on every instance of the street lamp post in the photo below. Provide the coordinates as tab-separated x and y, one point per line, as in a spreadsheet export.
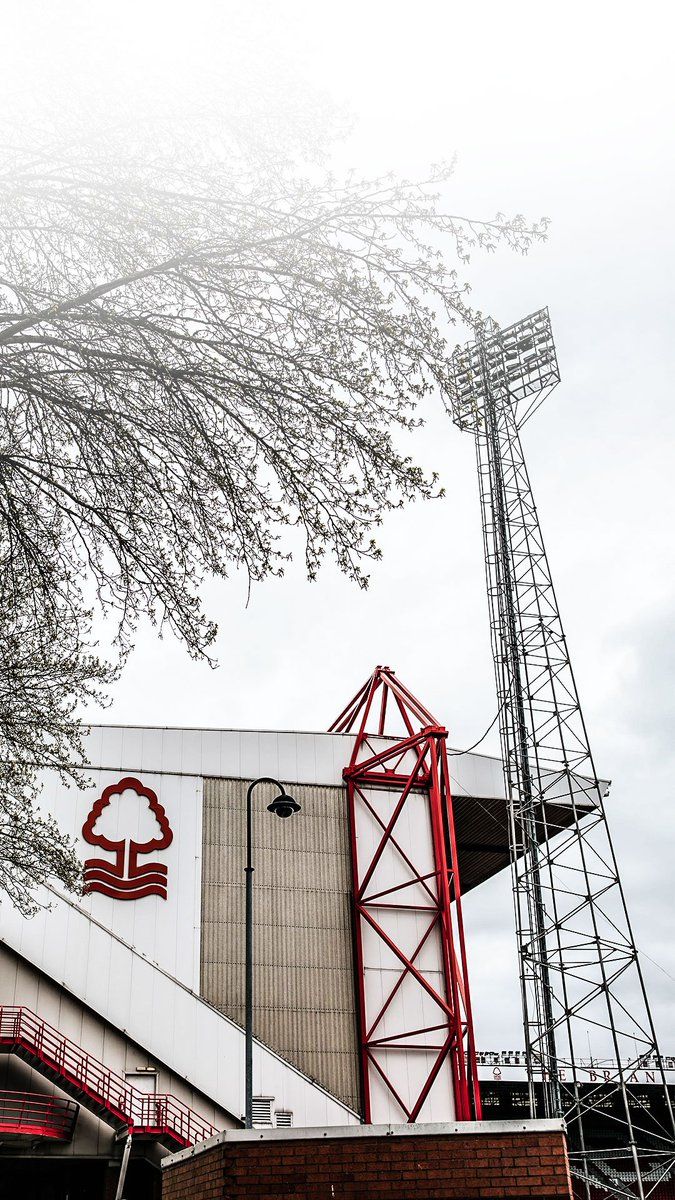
283	806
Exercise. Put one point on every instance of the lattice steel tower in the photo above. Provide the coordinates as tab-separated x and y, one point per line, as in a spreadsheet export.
580	977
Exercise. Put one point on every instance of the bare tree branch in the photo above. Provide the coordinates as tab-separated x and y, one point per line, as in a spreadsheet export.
198	350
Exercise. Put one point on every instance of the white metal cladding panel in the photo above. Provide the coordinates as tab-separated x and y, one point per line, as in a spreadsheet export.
22	984
240	754
303	976
166	930
475	775
170	1022
482	776
412	1007
295	757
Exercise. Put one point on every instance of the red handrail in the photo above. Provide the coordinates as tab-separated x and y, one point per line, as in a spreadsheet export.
160	1114
35	1114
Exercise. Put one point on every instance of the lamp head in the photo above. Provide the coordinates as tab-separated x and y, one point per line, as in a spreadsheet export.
283	805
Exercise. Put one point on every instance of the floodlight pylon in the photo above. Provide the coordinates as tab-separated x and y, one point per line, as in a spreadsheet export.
580	976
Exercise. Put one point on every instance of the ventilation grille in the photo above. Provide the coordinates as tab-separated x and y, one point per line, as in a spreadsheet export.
262	1110
283	1120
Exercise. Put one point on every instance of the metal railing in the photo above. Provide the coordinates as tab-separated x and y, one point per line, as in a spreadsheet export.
26	1034
30	1113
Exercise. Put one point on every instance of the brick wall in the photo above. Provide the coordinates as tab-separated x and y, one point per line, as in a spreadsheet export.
200	1178
516	1163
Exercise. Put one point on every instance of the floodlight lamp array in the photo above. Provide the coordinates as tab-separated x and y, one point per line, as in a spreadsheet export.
516	366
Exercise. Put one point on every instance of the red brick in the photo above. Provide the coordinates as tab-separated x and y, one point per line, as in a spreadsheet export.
412	1168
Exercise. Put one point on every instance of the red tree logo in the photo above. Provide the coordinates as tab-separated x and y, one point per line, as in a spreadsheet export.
125	878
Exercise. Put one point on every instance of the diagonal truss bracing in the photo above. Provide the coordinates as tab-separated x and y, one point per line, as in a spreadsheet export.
416	1035
581	981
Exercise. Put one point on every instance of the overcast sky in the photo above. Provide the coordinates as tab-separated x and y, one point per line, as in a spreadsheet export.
557	110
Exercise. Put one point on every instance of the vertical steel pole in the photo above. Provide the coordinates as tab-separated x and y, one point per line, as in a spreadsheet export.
291	807
249	958
123	1168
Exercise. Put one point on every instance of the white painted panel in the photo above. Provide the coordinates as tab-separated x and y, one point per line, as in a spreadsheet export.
288	766
111	748
93	740
151	752
191	750
257	758
412	1007
476	775
239	754
173	1024
132	745
230	752
296	757
212	744
165	930
172	753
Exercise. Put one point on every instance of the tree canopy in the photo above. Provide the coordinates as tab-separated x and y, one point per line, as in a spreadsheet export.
201	346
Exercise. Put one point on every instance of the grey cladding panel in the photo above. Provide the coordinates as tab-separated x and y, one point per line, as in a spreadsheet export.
303	978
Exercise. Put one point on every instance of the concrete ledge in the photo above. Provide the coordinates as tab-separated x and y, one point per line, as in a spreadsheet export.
343	1132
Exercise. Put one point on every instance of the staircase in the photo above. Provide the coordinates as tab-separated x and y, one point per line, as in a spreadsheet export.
161	1117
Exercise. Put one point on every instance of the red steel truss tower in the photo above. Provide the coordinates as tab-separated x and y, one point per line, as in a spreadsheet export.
416	1035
